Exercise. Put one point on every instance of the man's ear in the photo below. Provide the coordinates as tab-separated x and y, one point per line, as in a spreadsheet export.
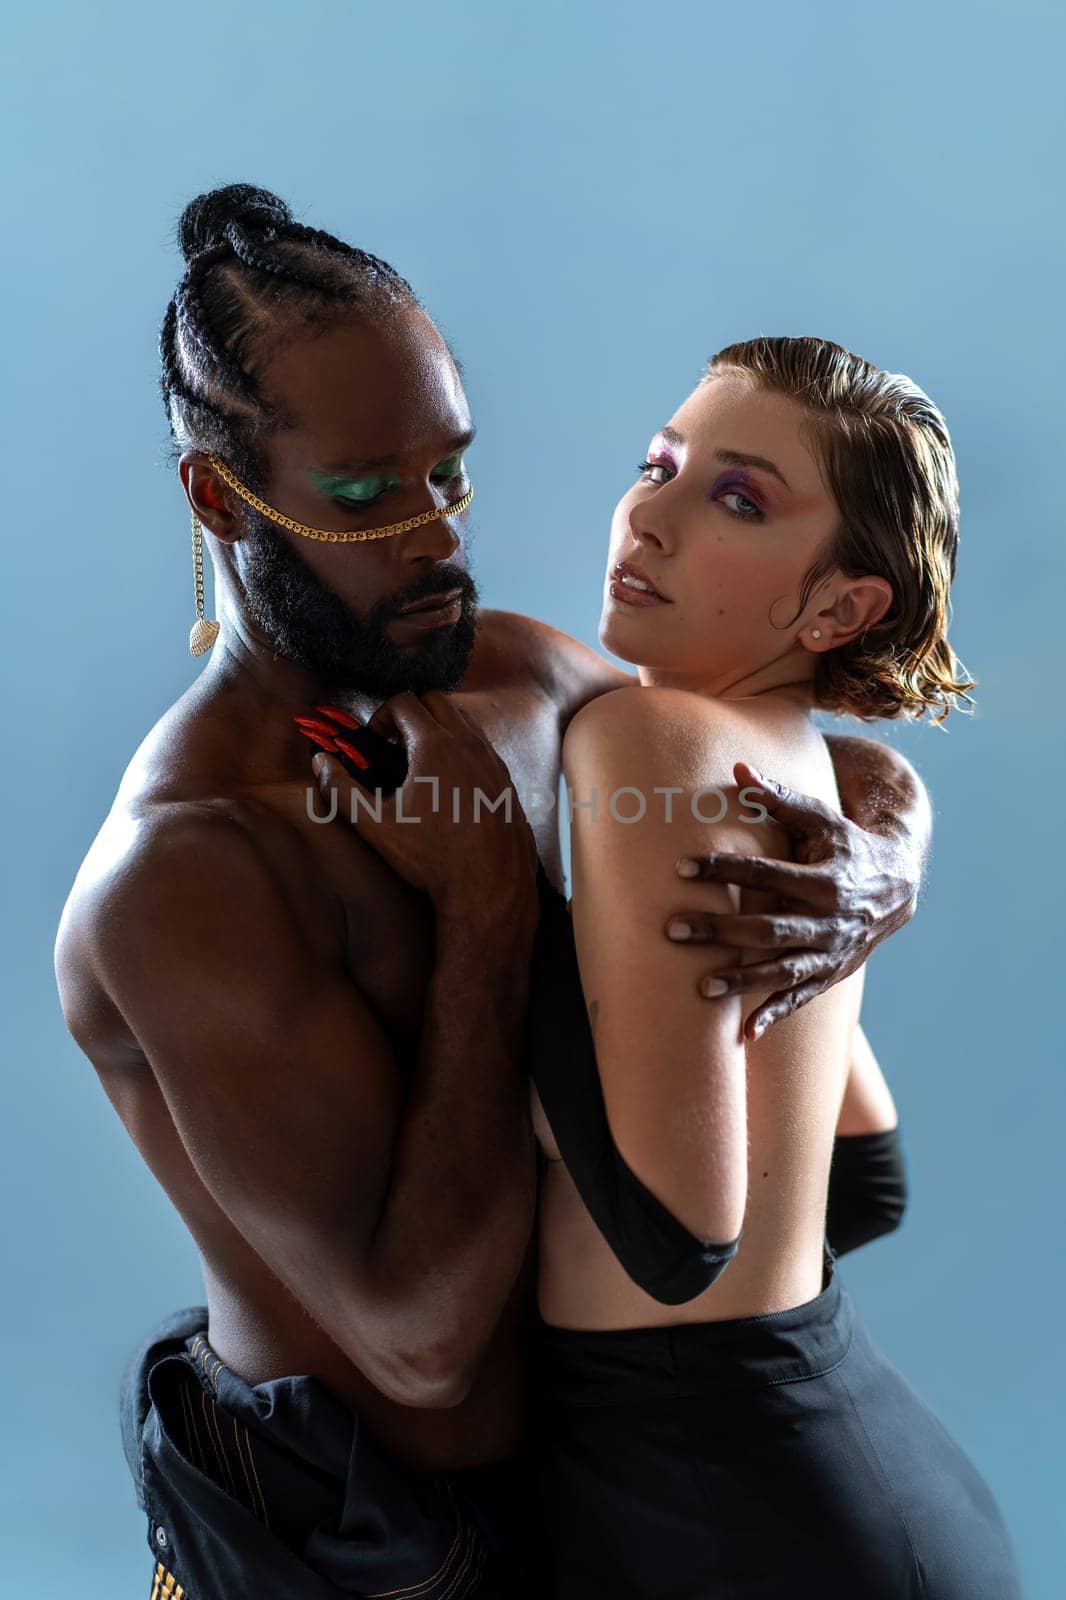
858	604
208	496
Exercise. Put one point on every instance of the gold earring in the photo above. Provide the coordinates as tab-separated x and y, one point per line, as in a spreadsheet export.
204	630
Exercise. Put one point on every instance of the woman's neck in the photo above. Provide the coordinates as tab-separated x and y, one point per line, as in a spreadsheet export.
780	681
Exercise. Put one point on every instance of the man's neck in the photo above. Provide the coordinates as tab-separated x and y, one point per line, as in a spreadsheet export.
249	667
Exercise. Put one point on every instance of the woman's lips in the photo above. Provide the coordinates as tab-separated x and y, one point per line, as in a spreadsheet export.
635	597
638	590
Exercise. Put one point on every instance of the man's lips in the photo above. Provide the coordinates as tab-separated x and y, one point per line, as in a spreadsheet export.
433	602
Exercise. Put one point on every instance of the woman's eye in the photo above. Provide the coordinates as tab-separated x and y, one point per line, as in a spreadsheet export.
753	510
646	468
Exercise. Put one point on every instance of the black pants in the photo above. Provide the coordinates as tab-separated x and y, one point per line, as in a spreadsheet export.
276	1491
773	1456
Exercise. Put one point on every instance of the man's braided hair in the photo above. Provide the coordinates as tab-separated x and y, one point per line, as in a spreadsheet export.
253	278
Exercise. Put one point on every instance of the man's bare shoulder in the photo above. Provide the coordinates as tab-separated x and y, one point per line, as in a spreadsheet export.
121	893
569	672
135	846
152	876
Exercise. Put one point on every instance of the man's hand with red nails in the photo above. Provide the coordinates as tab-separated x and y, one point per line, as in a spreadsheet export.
853	880
474	857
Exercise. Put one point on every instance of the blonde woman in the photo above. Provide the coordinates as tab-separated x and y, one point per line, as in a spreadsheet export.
714	1417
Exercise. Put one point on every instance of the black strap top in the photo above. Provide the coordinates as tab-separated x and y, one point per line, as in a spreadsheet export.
867	1181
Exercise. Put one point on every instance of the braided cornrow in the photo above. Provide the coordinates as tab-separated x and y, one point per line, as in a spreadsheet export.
253	275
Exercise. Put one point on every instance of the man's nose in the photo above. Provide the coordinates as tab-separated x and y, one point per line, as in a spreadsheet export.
433	541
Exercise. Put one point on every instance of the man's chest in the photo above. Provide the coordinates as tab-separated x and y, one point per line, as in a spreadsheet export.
382	928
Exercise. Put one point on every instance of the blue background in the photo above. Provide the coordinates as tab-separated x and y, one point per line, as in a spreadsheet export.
591	198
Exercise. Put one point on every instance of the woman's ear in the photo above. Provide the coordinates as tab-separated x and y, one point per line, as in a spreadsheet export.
207	496
858	604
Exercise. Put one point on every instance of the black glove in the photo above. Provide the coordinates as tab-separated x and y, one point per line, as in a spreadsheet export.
867	1188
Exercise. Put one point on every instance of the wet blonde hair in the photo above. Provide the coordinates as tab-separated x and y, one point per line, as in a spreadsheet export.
886	457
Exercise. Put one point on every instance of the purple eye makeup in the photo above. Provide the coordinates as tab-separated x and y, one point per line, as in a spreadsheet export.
739	488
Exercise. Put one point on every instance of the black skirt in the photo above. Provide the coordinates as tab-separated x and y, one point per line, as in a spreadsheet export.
773	1456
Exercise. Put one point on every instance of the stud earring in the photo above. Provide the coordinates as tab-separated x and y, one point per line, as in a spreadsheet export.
816	633
204	630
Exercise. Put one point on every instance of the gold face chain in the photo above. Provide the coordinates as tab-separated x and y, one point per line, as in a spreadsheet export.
358	534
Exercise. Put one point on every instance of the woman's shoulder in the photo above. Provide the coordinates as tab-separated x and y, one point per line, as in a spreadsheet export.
656	739
655	705
637	723
657	712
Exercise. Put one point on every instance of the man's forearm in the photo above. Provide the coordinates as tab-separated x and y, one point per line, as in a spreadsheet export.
881	792
461	1202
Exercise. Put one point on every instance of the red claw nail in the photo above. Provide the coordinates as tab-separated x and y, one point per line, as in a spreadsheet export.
316	724
345	718
319	739
355	755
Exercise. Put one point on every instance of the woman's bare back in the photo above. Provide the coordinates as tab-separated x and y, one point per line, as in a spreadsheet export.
795	1073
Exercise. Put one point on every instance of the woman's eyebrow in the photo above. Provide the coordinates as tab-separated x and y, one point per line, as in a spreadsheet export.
352	469
733	458
669	436
740	458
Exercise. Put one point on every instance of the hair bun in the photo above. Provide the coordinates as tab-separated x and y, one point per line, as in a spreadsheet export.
203	222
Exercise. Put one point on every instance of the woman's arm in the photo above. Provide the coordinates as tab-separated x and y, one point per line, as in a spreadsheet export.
867	1106
663	1257
672	1068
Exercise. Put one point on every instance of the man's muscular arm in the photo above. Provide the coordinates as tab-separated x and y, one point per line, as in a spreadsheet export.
398	1220
882	794
854	879
569	672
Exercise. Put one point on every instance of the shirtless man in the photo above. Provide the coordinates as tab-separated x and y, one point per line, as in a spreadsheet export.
319	1058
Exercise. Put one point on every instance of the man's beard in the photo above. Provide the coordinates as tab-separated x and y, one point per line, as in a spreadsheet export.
311	625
